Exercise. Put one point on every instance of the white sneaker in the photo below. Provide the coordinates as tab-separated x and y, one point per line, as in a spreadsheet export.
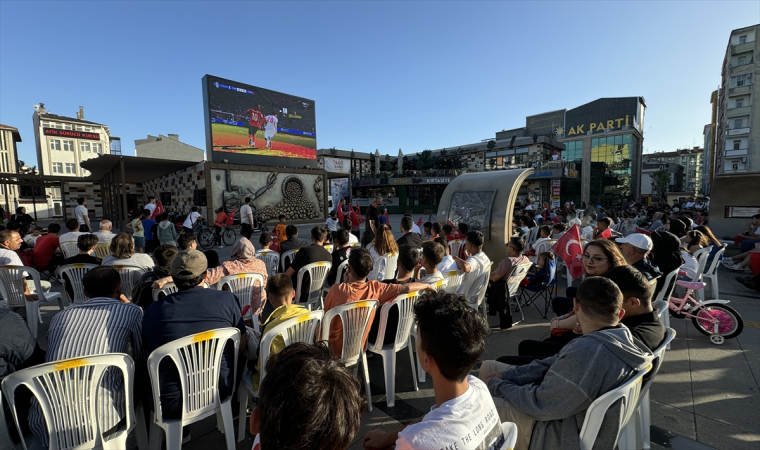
728	263
221	246
736	268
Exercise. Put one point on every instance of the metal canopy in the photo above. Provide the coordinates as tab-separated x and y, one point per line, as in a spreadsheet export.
135	169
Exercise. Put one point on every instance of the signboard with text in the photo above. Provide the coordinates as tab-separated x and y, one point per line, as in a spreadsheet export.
337	165
71	134
545	123
556	183
611	114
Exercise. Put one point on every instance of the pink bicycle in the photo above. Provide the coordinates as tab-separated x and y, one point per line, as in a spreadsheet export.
712	317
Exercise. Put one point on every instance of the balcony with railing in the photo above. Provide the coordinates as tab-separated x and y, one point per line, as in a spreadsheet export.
740	111
742	48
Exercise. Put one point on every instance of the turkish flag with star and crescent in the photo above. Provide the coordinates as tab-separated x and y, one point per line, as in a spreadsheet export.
570	249
159	209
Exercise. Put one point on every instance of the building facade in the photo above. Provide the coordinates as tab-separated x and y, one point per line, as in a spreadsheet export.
707	157
691	160
167	147
737	136
62	143
9	136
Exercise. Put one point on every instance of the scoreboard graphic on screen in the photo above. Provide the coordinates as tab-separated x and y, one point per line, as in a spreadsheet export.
251	125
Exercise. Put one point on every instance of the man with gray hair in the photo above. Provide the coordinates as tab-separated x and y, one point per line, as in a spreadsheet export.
635	248
105	236
656	221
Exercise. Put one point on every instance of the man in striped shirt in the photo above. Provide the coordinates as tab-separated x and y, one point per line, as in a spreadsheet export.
107	323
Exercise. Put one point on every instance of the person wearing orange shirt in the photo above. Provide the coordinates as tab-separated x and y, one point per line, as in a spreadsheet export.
279	230
356	288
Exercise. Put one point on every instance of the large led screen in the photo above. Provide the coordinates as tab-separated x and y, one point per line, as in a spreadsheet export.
251	125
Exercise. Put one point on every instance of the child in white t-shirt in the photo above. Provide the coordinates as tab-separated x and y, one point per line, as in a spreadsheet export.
464	415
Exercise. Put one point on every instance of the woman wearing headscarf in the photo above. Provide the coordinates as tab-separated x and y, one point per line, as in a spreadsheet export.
243	260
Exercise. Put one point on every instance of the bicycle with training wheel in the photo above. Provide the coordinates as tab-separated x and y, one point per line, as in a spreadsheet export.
226	235
713	318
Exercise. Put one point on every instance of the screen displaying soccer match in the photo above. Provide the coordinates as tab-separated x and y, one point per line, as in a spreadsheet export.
244	120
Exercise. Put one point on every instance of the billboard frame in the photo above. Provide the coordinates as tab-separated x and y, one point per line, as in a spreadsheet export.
247	159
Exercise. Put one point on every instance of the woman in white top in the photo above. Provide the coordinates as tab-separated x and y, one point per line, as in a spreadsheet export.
383	243
123	253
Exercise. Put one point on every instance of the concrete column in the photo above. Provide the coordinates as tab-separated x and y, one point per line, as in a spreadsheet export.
586	172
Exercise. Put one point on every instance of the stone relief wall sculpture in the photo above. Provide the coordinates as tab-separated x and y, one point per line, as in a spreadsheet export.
474	209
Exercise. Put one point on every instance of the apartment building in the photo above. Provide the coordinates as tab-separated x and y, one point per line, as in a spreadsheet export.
9	136
737	136
692	162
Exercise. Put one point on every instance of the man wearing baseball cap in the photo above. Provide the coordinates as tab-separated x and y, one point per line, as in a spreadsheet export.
635	248
192	309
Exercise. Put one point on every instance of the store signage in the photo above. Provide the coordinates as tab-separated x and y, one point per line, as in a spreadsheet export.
337	165
736	131
556	183
544	174
603	125
71	134
444	180
401	181
743	212
387	201
545	123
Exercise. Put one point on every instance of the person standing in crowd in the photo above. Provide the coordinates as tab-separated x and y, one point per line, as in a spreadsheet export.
246	219
82	215
192	219
138	231
280	230
150	231
332	224
371	220
107	323
151	205
167	232
104	234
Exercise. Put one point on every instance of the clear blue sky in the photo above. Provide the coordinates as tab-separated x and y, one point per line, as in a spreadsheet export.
384	75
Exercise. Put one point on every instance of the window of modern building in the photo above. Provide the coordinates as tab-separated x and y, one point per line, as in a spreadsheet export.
737	144
611	168
573	151
68	146
71	168
55	144
57	167
84	146
740	102
97	147
743	39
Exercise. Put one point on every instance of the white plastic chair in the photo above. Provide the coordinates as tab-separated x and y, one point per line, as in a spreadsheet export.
317	275
102	250
628	393
384	267
513	285
477	292
67	392
75	273
287	258
455	245
341	270
130	275
639	425
328	247
12	283
168	289
303	328
198	360
454	278
271	260
532	237
243	285
354	317
69	249
405	305
509	431
711	274
701	257
440	285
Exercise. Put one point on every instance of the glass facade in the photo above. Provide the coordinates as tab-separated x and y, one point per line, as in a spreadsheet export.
573	151
611	162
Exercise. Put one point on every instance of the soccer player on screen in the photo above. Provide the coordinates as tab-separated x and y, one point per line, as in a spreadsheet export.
270	129
255	120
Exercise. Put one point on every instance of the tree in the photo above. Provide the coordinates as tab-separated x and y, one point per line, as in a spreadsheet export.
661	179
492	163
426	160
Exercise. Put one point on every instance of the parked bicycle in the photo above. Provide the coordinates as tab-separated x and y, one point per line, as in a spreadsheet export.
713	318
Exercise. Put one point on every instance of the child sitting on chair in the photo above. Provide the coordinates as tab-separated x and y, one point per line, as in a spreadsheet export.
538	273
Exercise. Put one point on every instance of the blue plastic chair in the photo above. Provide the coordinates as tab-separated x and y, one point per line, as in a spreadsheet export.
546	290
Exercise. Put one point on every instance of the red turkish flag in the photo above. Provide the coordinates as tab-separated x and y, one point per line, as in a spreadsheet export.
455	233
159	209
419	222
569	248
